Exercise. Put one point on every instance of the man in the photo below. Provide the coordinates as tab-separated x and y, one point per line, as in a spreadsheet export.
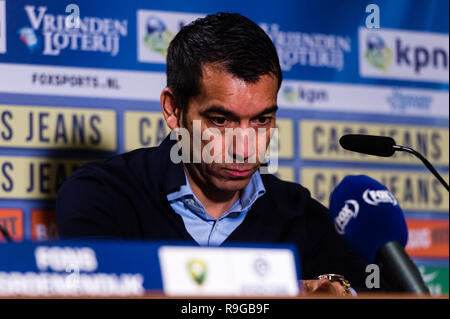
223	73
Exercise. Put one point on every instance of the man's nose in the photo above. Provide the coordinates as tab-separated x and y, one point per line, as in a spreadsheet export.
243	145
240	149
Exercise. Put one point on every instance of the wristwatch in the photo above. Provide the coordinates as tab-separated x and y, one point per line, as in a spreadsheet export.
339	278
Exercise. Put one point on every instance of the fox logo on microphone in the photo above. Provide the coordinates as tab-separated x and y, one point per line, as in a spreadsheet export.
349	211
374	197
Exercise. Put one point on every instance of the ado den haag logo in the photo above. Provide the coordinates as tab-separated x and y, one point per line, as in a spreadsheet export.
54	35
197	270
377	52
157	37
155	30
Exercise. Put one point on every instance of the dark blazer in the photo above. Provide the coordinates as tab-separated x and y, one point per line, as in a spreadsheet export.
125	197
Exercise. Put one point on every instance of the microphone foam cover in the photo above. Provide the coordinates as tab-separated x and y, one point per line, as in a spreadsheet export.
368	144
367	215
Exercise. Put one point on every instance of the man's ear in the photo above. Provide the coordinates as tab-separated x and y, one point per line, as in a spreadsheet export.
170	111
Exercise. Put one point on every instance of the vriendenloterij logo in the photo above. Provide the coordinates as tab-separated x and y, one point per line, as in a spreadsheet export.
2	26
197	270
308	49
54	34
155	30
377	53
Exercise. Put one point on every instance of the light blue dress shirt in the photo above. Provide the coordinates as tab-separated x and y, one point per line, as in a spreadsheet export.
205	229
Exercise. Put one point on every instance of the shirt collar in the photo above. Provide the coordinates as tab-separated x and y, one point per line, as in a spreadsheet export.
248	196
254	190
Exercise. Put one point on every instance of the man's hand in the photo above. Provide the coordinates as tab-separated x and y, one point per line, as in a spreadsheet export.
322	286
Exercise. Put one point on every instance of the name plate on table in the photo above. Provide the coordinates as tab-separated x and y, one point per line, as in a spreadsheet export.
129	268
228	271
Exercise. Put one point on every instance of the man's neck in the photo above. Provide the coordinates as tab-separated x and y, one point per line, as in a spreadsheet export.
215	203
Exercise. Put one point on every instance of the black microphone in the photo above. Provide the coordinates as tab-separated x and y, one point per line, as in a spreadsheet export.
367	215
383	146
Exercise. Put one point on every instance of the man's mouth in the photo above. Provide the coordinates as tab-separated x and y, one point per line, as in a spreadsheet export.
238	172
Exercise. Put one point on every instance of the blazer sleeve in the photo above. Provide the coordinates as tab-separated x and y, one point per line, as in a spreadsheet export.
327	252
86	206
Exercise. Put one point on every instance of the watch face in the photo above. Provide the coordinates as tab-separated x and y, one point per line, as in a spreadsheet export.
332	277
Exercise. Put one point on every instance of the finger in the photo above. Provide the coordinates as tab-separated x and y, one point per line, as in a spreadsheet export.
307	285
329	287
322	285
339	289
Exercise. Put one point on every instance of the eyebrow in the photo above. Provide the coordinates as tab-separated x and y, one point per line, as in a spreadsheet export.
222	111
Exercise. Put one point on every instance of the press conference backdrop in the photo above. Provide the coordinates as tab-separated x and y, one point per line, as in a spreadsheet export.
72	96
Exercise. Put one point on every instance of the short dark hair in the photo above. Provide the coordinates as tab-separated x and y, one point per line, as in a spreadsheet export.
229	40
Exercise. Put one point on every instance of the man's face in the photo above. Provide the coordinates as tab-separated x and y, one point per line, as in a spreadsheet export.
226	102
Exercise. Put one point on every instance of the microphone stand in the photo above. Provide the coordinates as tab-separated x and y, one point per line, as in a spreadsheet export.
425	162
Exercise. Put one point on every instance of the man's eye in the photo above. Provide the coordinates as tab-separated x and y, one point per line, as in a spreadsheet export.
219	121
263	120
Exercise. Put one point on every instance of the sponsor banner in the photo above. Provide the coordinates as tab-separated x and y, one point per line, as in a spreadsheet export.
2	26
52	127
126	37
155	30
228	271
403	55
78	268
144	129
43	225
285	173
33	177
309	49
133	268
363	99
436	278
414	191
53	32
319	140
427	238
11	219
81	82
